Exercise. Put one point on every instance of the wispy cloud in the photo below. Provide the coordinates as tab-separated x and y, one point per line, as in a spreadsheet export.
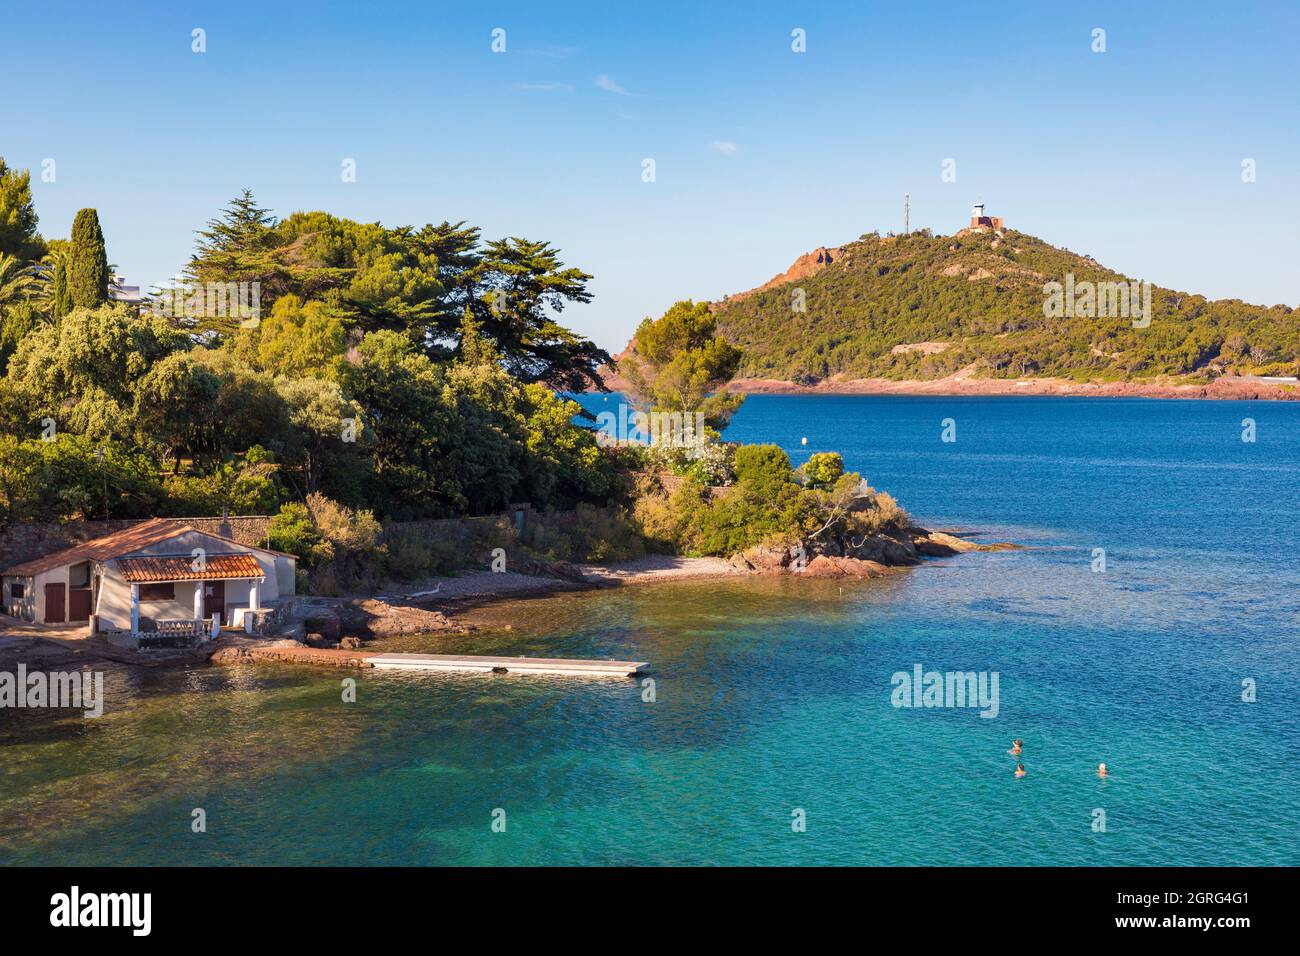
545	87
724	146
606	82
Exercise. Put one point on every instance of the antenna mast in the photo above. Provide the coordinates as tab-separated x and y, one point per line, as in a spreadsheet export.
907	212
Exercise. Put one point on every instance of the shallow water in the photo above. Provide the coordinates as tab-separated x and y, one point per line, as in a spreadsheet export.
775	695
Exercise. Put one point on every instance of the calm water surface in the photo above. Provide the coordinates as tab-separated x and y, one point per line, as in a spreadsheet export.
773	695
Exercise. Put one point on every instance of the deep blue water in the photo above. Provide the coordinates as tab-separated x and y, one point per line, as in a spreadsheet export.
774	696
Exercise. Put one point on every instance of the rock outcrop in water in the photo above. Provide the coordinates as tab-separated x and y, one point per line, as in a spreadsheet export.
868	556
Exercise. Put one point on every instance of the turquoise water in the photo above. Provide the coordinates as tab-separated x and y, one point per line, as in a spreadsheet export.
775	695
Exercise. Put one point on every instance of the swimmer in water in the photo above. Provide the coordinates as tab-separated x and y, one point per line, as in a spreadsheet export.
1015	747
1020	770
1101	770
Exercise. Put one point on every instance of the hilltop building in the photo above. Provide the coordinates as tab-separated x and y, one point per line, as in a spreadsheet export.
980	221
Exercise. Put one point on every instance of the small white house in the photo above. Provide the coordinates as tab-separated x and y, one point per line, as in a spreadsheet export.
157	572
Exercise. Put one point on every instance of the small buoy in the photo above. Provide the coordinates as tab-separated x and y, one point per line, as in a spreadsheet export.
804	441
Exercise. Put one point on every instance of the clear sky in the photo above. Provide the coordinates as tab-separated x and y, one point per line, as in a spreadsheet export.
1133	156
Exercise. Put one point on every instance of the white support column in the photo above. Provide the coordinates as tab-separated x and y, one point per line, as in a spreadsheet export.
135	608
198	600
254	593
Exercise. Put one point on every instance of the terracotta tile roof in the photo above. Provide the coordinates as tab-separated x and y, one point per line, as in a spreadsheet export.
100	549
181	568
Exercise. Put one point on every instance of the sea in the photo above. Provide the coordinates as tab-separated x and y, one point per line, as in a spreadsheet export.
1151	622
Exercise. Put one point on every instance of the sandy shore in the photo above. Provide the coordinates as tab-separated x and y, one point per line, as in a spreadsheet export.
479	586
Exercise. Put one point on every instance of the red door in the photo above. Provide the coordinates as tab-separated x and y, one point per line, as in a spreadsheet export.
214	599
79	604
55	604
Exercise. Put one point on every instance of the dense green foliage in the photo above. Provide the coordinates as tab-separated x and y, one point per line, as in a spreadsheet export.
767	504
981	297
377	385
823	468
18	235
87	268
352	278
678	364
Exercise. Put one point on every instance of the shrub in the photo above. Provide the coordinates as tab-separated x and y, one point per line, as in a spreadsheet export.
292	531
410	555
588	534
765	467
823	469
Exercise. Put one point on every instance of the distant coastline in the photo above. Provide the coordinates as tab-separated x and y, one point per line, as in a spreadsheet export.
1239	389
1229	388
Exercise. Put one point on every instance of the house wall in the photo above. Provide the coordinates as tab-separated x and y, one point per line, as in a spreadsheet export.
23	608
286	575
115	603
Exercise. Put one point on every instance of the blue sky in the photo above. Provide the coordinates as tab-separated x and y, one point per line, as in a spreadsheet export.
1132	155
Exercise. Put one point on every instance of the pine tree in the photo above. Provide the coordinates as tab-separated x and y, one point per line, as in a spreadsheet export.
87	262
18	235
241	229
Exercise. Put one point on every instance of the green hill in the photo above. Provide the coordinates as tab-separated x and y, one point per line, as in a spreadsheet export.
922	306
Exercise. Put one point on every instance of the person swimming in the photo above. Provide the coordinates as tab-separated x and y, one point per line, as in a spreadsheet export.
1020	770
1101	770
1015	747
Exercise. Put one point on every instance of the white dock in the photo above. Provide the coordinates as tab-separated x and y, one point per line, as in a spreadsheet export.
509	665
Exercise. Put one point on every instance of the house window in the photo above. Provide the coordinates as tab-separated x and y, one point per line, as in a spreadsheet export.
16	590
79	575
158	592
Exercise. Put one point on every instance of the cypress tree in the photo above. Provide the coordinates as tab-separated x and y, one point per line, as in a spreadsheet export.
87	262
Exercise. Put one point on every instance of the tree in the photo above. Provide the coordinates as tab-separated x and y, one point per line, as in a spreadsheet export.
18	235
55	293
17	314
83	372
239	246
292	531
242	485
434	451
513	289
325	436
243	228
678	364
300	339
87	262
175	408
72	476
